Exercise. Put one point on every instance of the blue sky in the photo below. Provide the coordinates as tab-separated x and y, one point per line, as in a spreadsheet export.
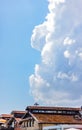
17	57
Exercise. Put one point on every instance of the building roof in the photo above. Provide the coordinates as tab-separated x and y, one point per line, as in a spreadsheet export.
54	119
2	121
56	115
9	122
5	115
50	108
57	119
18	112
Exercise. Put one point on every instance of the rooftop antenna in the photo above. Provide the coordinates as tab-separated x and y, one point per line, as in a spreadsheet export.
36	104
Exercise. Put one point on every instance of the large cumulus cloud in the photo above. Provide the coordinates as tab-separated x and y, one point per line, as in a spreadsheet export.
57	80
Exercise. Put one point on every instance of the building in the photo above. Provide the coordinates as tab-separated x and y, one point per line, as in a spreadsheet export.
38	117
63	127
4	118
14	120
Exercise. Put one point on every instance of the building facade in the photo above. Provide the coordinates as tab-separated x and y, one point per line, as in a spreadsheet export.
38	117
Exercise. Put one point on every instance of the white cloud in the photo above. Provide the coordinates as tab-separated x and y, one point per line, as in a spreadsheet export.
80	55
68	41
67	54
38	37
57	79
65	76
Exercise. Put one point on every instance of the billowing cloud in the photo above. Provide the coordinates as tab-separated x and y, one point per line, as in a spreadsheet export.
68	41
57	79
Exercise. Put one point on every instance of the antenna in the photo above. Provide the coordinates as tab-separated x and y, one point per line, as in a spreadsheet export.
36	104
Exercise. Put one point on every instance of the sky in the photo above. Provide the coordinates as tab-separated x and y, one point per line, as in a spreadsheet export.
17	57
40	53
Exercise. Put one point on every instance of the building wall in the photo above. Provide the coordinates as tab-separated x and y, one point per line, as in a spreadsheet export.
28	125
17	127
34	126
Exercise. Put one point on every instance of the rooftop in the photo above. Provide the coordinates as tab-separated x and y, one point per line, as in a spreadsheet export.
5	116
18	112
51	108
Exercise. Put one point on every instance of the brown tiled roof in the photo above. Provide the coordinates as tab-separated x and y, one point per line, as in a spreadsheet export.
57	119
6	115
50	108
18	112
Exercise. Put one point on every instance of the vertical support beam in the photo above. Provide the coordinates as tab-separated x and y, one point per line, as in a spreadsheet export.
40	126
